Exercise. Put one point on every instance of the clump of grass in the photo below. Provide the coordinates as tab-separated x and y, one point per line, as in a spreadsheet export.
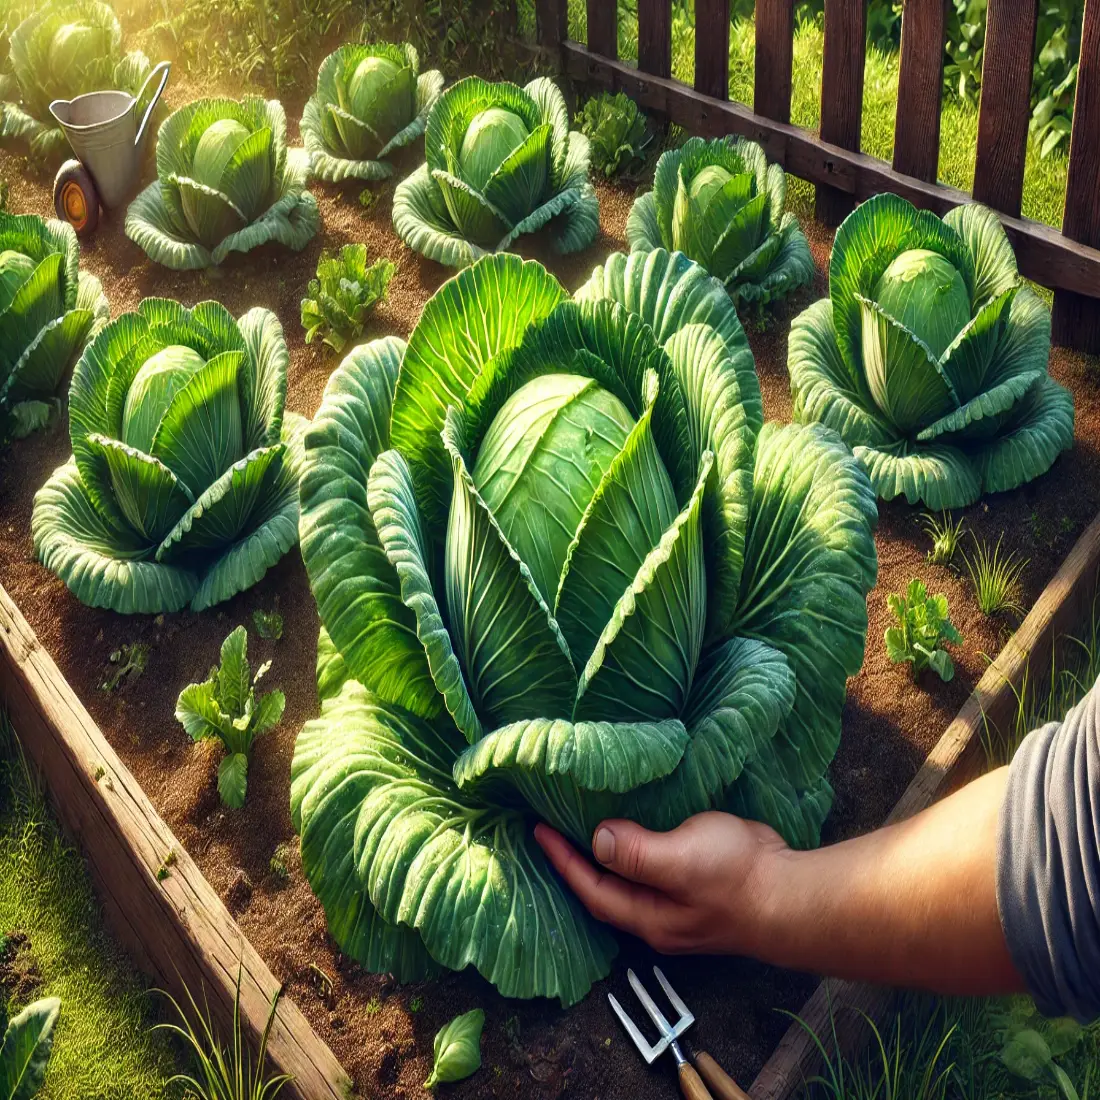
416	1004
373	1007
279	863
995	575
946	536
224	1074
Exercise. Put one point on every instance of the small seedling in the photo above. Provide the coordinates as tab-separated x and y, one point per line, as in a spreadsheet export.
345	290
924	627
367	198
278	863
129	663
416	1004
166	866
1031	1045
996	577
946	535
373	1007
226	707
618	132
268	624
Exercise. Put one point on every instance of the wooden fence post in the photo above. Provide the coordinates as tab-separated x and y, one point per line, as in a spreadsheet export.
771	95
712	48
1076	317
920	90
655	37
603	27
551	23
1005	108
842	94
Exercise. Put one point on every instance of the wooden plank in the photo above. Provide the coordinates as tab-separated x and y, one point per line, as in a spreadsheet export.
771	96
1063	610
842	93
920	88
1076	318
655	37
177	929
1044	255
603	27
1005	108
551	23
712	48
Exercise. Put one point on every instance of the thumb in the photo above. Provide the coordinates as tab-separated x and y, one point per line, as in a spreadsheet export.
637	854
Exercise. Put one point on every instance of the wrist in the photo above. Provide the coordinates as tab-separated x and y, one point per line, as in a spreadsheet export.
768	902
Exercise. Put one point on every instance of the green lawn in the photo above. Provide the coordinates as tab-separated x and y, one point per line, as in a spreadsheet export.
1044	180
56	946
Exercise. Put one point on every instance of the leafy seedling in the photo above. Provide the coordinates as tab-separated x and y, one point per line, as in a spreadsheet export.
1031	1045
278	864
268	624
345	290
226	707
995	576
619	134
946	535
26	1049
416	1004
166	865
457	1048
129	663
924	627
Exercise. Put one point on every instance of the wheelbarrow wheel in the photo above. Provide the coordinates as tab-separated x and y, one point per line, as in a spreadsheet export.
75	198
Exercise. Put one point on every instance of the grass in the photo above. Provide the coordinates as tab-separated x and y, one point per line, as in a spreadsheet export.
946	535
102	1047
995	577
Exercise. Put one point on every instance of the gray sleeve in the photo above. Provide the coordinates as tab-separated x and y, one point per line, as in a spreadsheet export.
1048	877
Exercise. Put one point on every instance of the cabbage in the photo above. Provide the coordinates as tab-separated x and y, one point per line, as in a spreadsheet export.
15	267
371	76
215	150
155	384
492	137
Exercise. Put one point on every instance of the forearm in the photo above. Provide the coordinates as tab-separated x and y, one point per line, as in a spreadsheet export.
912	905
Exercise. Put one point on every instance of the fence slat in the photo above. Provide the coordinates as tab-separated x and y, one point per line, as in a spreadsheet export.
1077	318
603	27
842	93
712	47
655	37
1005	104
771	95
920	86
552	22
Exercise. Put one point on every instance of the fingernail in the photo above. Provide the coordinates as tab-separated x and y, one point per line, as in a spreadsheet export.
603	845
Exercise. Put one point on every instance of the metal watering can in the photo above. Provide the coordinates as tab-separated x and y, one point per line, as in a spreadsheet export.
109	142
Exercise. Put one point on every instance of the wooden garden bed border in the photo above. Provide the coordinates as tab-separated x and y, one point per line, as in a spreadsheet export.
178	930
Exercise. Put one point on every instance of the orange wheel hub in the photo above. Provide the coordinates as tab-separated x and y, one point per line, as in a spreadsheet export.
75	204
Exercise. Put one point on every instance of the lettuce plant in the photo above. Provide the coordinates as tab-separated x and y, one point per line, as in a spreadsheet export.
721	204
565	571
345	290
370	102
63	49
501	163
182	486
48	310
618	133
923	628
226	708
226	182
929	356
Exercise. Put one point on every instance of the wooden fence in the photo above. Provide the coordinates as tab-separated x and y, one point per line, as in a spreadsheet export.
1068	262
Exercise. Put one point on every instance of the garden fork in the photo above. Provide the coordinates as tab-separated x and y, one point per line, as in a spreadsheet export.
691	1083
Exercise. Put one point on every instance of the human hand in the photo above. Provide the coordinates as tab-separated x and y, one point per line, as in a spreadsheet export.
701	888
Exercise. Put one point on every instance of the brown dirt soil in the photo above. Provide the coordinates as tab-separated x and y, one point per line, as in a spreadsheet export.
381	1033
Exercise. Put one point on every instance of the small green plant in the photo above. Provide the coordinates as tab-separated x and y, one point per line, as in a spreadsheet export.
619	133
268	624
224	1074
373	1007
457	1048
995	576
924	627
1030	1045
128	663
416	1004
26	1049
166	865
278	864
945	534
226	707
345	290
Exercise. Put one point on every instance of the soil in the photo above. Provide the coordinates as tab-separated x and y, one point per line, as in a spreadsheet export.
383	1033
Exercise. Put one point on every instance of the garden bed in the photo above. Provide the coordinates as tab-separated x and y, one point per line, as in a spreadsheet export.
382	1034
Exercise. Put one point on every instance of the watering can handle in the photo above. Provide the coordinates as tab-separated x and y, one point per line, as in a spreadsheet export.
163	68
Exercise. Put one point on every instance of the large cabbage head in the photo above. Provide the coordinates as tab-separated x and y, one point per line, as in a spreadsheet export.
930	356
182	487
62	49
226	183
501	162
370	102
565	571
721	203
48	311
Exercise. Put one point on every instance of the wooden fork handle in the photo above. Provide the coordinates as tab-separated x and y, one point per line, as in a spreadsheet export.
722	1085
691	1084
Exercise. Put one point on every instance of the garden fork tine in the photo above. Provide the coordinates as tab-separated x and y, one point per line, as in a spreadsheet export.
691	1083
